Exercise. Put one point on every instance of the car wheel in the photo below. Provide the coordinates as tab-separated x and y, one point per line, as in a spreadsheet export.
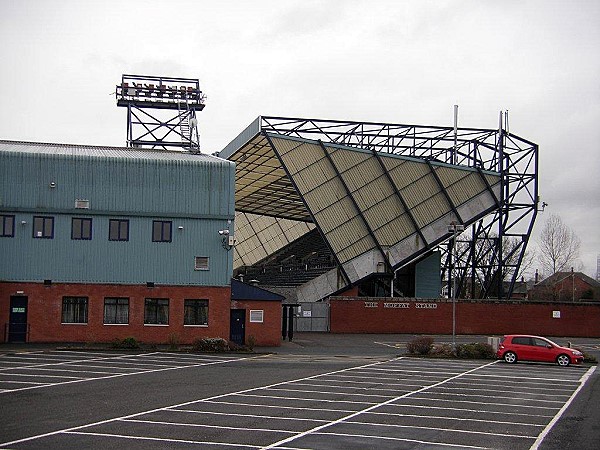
510	357
563	360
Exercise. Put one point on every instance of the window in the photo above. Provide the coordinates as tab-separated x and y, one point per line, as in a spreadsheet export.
521	341
75	310
195	312
201	263
43	227
161	231
156	311
82	204
7	226
540	342
81	229
257	315
116	310
118	230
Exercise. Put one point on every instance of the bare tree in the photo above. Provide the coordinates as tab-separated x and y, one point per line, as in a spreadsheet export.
559	246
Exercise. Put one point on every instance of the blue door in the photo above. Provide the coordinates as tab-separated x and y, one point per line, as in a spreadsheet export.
237	325
17	321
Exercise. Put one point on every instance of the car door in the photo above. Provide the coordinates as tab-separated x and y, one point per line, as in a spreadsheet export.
521	345
542	350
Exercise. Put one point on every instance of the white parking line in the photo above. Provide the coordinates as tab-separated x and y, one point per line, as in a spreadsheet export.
351	412
357	413
286	389
150	438
254	405
201	425
449	430
107	375
460	419
437	399
389	438
321	400
256	416
75	430
62	363
446	408
544	433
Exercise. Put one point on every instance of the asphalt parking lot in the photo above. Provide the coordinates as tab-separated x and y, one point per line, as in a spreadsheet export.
320	392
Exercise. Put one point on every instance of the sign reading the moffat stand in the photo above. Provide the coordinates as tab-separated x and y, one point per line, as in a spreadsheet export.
426	305
401	305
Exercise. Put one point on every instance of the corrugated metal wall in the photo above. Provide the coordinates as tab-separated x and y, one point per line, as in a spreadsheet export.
196	193
428	279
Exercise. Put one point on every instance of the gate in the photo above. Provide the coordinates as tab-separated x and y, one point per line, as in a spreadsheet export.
312	317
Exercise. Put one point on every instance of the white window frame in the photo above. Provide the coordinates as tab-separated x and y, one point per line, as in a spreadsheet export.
201	263
257	315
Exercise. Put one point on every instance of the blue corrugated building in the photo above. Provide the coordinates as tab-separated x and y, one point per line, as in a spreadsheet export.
82	224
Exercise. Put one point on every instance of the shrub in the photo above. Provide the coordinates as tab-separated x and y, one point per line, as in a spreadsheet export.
173	341
210	345
420	346
442	351
251	342
129	343
589	358
475	350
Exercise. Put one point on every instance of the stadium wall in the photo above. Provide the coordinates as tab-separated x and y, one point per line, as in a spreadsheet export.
418	316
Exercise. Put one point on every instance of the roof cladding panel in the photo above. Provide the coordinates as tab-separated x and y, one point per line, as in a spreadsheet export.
383	212
260	236
298	154
431	209
403	172
337	212
369	206
346	159
310	167
450	175
422	188
395	230
360	247
344	245
261	184
324	196
464	189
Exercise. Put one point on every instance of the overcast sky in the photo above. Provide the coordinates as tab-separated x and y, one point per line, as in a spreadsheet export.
383	61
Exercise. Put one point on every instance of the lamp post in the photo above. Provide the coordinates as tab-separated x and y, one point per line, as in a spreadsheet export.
455	229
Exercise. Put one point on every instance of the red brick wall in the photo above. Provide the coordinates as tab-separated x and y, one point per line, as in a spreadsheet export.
45	308
268	333
352	316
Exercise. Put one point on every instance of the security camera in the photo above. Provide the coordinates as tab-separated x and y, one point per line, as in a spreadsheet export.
223	232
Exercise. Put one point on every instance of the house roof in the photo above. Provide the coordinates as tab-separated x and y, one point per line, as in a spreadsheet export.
106	152
561	276
243	291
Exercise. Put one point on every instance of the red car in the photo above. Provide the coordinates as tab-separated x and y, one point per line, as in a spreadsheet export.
515	347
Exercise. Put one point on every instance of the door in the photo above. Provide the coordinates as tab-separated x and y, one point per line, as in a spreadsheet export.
237	326
17	321
542	350
522	346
